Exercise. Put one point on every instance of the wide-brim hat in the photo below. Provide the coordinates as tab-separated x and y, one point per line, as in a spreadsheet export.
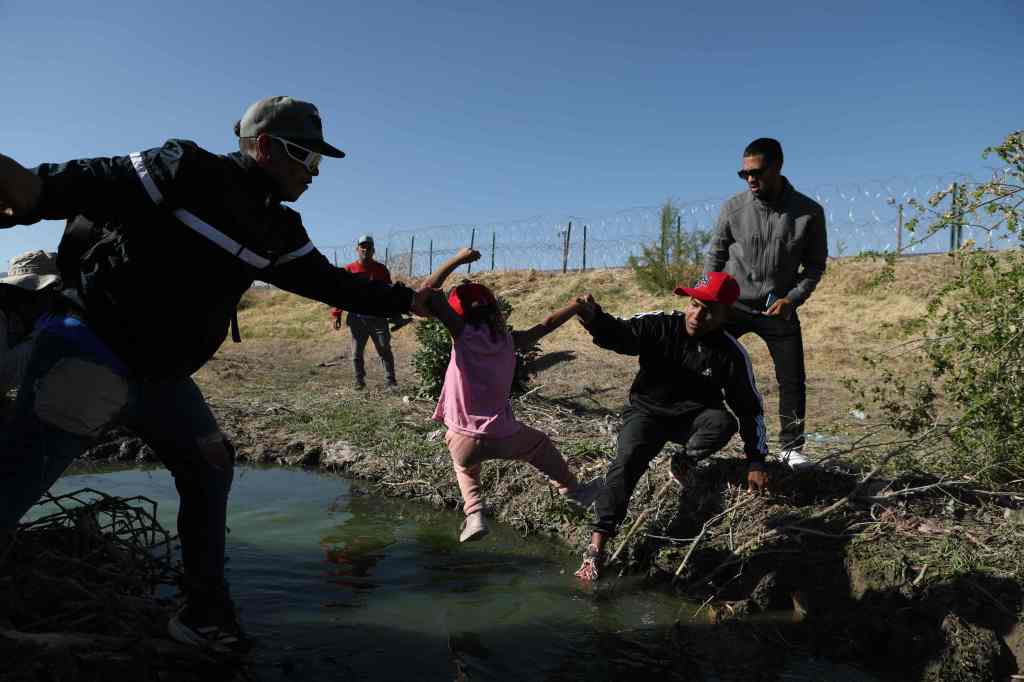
32	271
292	119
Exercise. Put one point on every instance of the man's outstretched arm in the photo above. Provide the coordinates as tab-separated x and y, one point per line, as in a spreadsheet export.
435	280
606	331
313	276
20	190
527	337
120	185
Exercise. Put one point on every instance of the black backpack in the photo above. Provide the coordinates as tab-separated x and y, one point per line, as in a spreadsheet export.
83	239
80	234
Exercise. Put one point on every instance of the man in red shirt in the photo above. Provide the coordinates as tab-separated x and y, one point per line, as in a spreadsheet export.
365	327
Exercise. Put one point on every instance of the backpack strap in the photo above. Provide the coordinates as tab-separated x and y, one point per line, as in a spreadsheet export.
80	234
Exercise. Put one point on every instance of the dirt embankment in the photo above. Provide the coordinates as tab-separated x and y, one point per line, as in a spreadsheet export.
914	581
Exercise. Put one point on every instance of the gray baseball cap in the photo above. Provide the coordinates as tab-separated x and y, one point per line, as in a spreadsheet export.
365	239
295	121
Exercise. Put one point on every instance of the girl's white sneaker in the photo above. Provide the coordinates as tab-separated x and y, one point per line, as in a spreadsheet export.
474	527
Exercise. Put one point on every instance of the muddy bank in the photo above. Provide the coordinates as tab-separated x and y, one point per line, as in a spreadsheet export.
910	586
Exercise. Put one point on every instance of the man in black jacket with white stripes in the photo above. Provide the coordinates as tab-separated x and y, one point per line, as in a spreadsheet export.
172	238
687	365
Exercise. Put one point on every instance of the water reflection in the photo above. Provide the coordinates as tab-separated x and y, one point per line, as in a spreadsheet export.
354	548
336	585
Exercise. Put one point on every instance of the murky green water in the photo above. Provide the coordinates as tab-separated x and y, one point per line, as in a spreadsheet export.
335	585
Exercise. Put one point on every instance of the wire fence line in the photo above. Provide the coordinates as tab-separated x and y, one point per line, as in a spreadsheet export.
861	217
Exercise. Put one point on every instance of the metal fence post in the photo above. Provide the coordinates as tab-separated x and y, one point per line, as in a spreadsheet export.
386	254
492	249
899	230
583	267
431	259
960	216
472	240
952	222
952	211
412	251
565	248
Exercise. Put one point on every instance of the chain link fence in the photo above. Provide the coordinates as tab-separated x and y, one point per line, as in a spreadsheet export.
861	217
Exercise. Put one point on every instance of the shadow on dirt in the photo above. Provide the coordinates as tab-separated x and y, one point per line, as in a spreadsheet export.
852	588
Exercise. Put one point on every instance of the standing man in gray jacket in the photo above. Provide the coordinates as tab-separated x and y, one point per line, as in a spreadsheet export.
772	239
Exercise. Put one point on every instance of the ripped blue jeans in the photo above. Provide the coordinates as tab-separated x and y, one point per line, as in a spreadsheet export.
73	388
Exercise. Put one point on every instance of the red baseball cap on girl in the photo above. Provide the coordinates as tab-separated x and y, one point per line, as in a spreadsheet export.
469	295
713	287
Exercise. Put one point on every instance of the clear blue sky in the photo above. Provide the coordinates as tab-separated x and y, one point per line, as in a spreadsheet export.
483	111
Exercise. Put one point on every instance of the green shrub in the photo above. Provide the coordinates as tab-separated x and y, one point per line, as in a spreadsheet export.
434	348
977	355
430	360
967	412
884	276
677	256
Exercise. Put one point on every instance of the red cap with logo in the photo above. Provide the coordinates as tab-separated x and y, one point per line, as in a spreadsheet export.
469	295
713	287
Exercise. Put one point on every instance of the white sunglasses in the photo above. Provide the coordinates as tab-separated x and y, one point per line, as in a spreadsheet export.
307	157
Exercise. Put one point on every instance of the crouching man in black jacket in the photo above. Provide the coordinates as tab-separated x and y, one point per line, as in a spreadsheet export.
687	365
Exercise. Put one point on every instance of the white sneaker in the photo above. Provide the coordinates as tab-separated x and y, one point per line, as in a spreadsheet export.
226	637
795	459
474	527
585	493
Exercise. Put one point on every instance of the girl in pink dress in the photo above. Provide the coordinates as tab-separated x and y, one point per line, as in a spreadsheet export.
474	402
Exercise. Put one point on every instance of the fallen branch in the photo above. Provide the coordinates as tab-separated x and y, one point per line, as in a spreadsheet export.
639	520
776	533
909	492
707	525
920	576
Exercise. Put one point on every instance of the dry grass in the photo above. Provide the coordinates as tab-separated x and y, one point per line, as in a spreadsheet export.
851	314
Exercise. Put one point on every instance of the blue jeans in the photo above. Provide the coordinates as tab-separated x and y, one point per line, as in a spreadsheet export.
73	388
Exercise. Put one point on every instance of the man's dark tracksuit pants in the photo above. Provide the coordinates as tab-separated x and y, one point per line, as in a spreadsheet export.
364	328
703	432
785	343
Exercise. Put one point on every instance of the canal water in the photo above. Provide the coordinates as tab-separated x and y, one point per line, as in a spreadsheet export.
336	585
